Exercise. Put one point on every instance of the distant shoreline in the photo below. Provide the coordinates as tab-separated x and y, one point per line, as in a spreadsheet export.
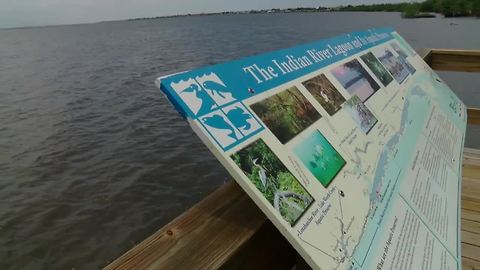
262	11
425	9
407	10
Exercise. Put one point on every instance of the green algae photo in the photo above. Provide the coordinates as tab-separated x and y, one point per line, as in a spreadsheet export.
270	176
325	93
286	114
377	68
320	158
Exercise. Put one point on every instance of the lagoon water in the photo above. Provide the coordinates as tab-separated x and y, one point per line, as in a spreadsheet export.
93	159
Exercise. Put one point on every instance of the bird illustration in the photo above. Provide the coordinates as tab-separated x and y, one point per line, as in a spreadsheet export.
192	88
207	104
217	121
216	88
262	173
239	118
325	97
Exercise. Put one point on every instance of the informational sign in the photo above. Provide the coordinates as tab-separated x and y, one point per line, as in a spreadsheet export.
352	147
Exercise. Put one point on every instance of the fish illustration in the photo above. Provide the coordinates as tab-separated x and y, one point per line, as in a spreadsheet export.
217	121
216	88
207	103
239	118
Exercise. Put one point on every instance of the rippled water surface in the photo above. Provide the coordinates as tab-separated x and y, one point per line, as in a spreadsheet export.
93	159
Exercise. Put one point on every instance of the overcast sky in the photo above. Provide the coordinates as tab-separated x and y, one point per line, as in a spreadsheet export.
18	13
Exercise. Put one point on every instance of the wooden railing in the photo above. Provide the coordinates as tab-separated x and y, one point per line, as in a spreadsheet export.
227	231
455	60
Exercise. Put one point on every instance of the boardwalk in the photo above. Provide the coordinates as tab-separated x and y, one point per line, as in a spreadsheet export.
471	209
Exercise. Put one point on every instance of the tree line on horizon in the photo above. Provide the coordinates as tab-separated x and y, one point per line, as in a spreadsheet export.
448	8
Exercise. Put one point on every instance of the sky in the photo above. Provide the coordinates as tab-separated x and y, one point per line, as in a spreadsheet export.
20	13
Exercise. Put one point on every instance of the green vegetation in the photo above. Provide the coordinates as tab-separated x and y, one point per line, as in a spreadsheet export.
449	8
375	7
286	114
281	189
377	68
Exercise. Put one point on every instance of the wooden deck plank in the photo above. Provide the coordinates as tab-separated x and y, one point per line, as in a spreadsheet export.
471	226
471	189
471	153
470	205
471	252
471	238
470	215
470	223
204	237
469	264
471	171
471	197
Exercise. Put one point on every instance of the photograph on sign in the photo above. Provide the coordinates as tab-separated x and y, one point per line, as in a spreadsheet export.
277	185
286	114
392	63
325	93
319	157
355	79
377	68
362	116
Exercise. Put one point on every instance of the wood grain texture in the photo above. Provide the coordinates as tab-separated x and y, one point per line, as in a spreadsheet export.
473	116
469	264
471	226
454	60
470	251
471	209
204	237
470	205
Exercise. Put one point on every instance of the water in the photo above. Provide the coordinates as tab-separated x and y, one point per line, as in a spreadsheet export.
93	159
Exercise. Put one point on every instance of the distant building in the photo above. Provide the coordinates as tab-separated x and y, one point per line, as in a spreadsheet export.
323	8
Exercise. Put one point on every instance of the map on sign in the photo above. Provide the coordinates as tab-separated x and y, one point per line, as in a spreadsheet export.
351	146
